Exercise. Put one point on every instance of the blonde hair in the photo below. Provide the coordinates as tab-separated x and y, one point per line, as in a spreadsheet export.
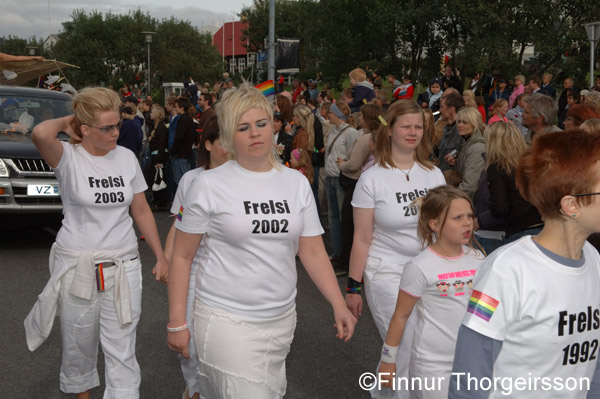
160	112
231	107
307	122
499	103
591	125
521	78
359	74
305	162
435	206
472	117
383	145
89	103
504	145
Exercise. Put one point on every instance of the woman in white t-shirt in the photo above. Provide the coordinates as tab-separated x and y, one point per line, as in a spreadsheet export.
534	315
254	216
210	155
385	220
95	270
438	282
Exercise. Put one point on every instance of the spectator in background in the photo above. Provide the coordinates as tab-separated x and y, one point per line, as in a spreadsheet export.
361	89
515	115
451	140
130	133
534	85
381	100
547	88
572	99
208	112
393	81
280	81
313	89
471	158
450	79
501	92
296	90
284	105
405	91
498	111
185	137
518	90
159	153
568	83
475	83
192	89
539	116
283	138
431	97
579	113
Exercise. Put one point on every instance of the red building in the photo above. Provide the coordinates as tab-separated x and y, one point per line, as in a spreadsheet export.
229	41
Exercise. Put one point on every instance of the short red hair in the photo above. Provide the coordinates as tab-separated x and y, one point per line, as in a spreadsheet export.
556	165
581	113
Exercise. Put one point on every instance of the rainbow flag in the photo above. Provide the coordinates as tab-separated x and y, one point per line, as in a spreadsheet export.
180	213
267	88
482	306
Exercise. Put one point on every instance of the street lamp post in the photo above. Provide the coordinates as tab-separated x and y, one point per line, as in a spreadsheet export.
593	32
148	40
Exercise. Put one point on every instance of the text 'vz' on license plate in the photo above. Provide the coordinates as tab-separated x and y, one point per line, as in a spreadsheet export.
43	189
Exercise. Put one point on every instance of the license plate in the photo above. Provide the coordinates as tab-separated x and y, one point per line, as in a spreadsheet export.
43	190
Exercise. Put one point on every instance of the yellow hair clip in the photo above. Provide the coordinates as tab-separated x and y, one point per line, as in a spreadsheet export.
383	122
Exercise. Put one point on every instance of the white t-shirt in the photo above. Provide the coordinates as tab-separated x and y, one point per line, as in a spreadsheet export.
390	194
444	286
547	315
252	223
178	200
96	192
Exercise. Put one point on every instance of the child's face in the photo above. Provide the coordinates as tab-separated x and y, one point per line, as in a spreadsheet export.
295	164
434	88
353	81
458	227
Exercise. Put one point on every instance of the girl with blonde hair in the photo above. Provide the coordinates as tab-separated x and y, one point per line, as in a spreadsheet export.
304	128
499	110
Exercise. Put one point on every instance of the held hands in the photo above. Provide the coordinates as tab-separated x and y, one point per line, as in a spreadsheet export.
355	304
179	342
386	373
344	322
161	270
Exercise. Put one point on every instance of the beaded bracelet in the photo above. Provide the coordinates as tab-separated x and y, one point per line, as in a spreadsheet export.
177	329
355	290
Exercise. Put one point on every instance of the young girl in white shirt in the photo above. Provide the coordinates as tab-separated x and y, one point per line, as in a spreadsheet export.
438	281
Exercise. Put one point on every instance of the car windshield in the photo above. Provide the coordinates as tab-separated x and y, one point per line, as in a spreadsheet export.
19	115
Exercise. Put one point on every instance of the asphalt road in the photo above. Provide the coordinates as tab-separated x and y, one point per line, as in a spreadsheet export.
318	366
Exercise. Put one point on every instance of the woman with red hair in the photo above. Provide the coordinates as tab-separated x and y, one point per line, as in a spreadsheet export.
579	113
534	307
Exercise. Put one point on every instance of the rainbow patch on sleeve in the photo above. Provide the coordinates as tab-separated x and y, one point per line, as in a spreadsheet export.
482	305
180	213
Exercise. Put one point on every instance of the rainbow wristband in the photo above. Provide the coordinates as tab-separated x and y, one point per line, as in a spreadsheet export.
353	290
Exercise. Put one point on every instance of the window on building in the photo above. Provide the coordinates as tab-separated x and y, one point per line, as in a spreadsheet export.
241	64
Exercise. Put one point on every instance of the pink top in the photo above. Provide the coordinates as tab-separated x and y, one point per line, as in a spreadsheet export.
495	119
520	89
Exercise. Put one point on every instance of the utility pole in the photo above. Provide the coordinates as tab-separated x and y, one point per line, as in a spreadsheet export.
271	42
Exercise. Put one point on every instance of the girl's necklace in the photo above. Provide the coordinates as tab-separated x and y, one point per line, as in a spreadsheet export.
407	173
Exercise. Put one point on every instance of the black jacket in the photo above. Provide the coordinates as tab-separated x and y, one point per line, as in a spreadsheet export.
185	135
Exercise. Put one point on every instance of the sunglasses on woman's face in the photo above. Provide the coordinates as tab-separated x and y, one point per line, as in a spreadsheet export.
108	128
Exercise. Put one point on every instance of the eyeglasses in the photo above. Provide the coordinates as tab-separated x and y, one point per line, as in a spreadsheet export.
108	128
584	194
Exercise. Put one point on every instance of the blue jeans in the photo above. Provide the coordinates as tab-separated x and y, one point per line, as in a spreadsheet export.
180	166
335	198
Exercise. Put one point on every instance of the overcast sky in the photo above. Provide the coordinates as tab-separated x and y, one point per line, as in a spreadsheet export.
26	18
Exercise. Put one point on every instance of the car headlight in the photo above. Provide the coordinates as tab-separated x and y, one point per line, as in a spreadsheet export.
3	169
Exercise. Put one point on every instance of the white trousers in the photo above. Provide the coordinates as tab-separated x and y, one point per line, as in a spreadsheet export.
242	357
189	367
85	323
382	282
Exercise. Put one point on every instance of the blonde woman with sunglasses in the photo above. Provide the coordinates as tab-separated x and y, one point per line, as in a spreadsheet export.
95	271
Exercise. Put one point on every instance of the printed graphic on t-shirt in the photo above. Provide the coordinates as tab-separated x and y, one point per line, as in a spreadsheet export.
574	323
180	213
482	305
266	225
107	197
444	286
407	198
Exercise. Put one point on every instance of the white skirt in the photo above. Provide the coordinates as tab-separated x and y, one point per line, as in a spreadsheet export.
242	357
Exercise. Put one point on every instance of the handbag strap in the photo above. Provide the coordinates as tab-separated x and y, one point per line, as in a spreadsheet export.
335	139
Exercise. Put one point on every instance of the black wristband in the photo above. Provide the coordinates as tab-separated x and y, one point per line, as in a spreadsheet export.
352	283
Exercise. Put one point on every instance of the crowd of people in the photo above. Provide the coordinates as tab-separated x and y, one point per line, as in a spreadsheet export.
463	215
